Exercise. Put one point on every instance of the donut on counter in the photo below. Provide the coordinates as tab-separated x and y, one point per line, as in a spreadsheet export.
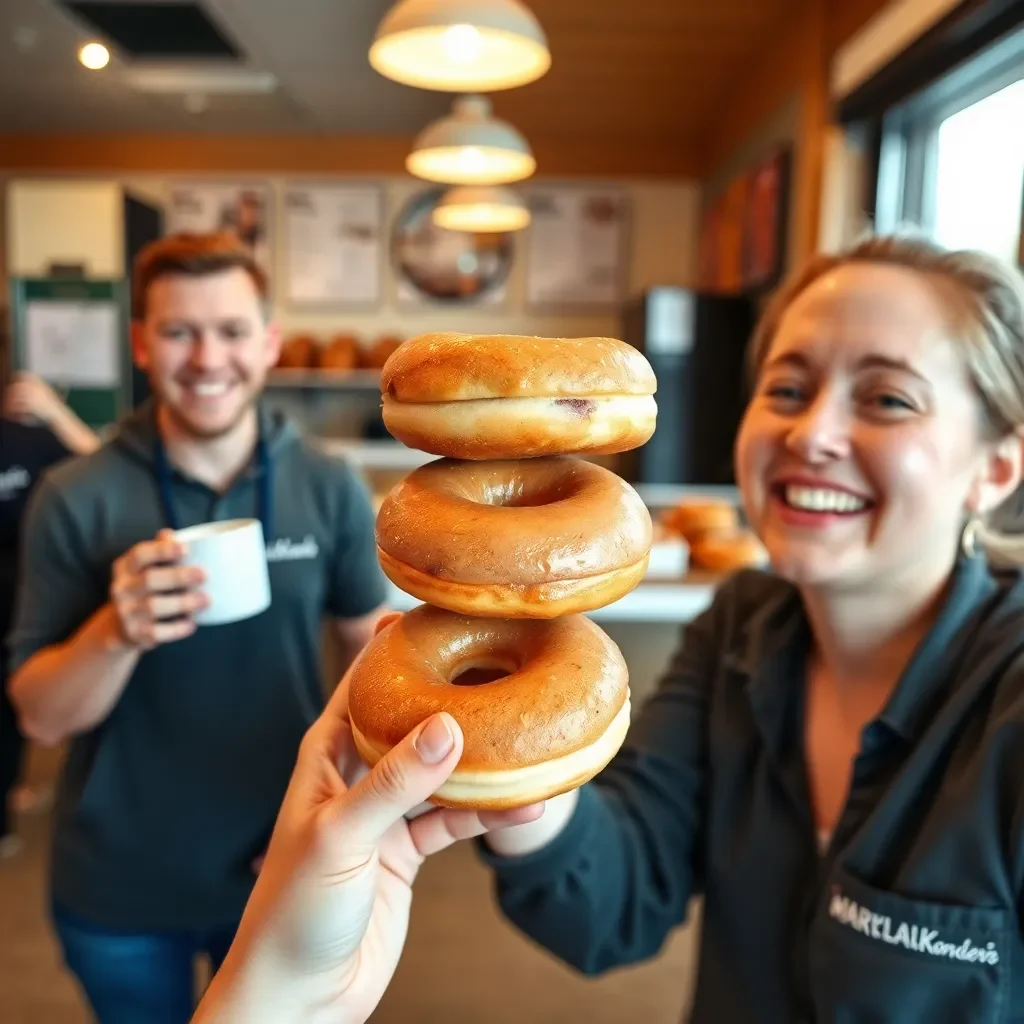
374	357
726	551
693	519
555	713
299	352
340	353
495	396
535	538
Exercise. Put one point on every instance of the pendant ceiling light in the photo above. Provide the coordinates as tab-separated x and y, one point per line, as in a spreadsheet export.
480	209
469	147
460	45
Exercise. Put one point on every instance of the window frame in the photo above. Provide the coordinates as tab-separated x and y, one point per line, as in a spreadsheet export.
904	185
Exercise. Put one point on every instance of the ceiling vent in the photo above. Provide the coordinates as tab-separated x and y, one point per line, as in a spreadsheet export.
156	30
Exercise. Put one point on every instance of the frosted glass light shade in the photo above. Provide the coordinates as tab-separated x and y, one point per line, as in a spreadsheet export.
460	45
481	209
470	147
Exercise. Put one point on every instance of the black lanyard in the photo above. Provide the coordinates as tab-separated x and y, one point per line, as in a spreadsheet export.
264	494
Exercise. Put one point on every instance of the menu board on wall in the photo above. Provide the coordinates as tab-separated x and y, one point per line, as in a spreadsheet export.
243	209
577	248
332	237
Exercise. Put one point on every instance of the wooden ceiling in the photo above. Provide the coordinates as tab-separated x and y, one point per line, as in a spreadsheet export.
631	70
659	87
625	72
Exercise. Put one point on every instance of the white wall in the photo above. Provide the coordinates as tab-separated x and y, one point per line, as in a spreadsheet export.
62	221
662	250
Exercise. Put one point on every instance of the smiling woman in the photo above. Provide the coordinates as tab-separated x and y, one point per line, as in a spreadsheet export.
843	731
866	445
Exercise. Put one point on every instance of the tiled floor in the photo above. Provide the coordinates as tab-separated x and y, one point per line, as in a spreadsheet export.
462	963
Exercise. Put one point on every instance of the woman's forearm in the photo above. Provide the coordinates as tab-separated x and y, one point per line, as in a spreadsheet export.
73	433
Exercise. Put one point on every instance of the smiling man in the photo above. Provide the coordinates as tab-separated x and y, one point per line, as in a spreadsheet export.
182	740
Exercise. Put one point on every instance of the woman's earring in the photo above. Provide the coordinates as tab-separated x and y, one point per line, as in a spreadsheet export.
969	538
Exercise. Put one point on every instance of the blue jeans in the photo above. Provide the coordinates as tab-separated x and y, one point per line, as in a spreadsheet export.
137	977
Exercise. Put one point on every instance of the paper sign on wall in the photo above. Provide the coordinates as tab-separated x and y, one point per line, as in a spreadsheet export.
333	241
241	209
73	344
576	247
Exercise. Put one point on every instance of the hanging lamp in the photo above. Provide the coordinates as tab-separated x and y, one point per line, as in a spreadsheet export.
470	147
460	45
481	209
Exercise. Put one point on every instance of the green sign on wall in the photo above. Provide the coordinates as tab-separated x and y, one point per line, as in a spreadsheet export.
74	334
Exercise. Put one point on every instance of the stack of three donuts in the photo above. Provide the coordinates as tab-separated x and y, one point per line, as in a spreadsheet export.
509	538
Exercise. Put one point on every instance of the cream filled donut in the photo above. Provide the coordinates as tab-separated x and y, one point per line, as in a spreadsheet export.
552	719
498	396
536	538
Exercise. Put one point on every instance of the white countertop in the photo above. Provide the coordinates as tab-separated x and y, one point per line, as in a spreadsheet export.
676	601
392	455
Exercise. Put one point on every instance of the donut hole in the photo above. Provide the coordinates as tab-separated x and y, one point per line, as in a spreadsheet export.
479	671
517	494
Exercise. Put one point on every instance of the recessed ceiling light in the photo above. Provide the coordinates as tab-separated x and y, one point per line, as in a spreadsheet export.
94	56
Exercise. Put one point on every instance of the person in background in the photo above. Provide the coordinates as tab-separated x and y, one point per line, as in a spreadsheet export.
325	926
37	430
181	741
834	758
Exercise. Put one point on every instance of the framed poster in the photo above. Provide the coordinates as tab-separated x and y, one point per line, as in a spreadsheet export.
764	221
434	265
244	209
721	240
333	244
707	272
577	247
74	335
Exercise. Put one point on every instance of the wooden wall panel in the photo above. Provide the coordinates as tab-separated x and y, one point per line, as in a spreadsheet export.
315	154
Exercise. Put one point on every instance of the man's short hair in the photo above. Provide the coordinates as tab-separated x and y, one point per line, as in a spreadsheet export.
195	255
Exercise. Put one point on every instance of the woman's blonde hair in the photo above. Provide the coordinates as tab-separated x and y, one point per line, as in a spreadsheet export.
984	302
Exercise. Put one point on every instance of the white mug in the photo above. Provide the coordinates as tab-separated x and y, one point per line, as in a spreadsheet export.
233	554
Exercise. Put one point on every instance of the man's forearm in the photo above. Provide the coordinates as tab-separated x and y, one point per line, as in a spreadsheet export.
72	686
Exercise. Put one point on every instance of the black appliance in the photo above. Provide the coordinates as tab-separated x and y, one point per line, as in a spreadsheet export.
697	345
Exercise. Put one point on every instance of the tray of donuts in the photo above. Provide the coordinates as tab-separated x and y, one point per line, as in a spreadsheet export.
339	354
714	533
509	537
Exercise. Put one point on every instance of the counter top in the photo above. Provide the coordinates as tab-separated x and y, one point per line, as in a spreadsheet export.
669	601
395	456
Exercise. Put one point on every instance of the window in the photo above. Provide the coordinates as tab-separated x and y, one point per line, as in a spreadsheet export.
951	159
979	175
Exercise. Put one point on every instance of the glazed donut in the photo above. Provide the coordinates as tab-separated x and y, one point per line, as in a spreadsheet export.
534	538
379	352
298	353
728	551
500	396
553	719
692	519
341	353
